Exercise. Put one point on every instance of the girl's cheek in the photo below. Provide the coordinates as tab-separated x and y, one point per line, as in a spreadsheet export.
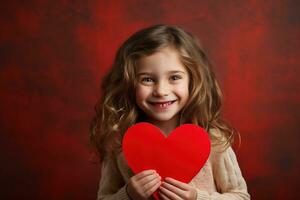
183	89
142	91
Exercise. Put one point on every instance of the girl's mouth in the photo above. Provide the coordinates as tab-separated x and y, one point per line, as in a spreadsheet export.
163	105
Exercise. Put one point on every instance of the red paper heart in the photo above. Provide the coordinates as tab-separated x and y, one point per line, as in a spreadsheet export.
181	155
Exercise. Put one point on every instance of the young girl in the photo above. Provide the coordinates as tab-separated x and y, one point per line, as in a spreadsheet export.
161	75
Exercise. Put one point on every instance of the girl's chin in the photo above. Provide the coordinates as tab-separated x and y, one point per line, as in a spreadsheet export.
161	119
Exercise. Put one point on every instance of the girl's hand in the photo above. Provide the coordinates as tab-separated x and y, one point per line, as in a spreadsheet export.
172	189
143	185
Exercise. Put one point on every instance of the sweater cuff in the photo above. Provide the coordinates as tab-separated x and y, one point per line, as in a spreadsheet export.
122	194
202	195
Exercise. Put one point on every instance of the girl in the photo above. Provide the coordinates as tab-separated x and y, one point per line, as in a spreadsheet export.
161	75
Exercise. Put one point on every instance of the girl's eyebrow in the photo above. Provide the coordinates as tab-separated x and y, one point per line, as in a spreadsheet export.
169	72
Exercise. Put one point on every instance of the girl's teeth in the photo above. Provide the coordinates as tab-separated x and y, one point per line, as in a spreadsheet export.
162	105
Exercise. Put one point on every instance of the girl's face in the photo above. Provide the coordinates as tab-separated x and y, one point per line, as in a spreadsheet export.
162	85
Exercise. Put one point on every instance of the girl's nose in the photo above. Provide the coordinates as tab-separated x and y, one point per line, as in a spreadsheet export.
161	89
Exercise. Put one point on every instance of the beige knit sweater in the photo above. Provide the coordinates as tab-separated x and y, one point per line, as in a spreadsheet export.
219	179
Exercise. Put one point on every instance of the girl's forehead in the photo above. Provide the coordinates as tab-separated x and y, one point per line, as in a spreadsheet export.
165	59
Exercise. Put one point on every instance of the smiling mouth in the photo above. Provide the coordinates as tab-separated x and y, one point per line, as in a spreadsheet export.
162	104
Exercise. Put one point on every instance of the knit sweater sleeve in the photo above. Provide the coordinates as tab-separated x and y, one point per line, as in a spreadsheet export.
228	178
111	186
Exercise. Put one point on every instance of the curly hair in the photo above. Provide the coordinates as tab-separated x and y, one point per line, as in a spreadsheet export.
116	110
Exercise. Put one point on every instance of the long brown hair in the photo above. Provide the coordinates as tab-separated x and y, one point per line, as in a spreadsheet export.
116	110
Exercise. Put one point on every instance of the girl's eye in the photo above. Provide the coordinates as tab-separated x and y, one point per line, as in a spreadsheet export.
147	79
175	77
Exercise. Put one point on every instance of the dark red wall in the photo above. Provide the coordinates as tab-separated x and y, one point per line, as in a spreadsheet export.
53	55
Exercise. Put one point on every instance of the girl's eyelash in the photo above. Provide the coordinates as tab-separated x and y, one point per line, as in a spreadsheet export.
146	79
175	76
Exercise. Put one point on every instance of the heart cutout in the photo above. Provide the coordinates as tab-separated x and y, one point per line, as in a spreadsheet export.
181	155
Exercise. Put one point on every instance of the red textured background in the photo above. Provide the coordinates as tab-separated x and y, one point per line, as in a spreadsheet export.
53	55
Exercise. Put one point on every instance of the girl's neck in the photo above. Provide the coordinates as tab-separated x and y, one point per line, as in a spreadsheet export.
166	127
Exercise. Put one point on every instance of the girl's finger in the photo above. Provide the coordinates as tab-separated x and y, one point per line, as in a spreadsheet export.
147	179
170	194
153	188
143	174
178	184
162	196
150	183
178	191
